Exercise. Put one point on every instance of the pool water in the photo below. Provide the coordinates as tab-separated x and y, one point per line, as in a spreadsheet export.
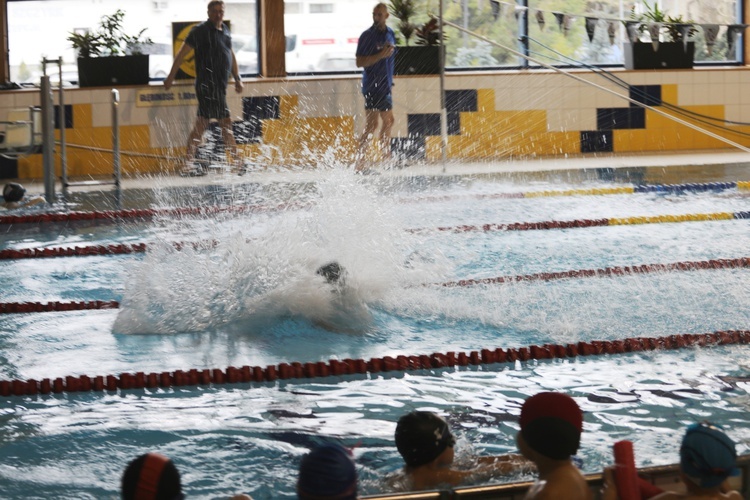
249	295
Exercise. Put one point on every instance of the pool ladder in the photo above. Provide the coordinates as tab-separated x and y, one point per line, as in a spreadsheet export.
48	140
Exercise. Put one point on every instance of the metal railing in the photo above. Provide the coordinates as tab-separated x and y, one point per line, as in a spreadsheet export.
48	140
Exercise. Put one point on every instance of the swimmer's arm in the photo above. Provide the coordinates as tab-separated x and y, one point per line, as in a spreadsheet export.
453	477
36	200
510	457
507	464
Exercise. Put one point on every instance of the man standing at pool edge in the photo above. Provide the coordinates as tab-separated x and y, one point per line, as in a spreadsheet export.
375	53
214	59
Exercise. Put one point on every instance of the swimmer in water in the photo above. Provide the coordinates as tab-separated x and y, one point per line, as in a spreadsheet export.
349	313
14	197
332	272
425	442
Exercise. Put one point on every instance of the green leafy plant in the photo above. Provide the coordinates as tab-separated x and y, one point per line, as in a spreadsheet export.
109	39
671	26
429	33
404	10
425	34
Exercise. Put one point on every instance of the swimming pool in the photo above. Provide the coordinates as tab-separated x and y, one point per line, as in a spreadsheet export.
249	296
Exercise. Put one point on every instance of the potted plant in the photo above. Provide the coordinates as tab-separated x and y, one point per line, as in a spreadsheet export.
666	44
109	56
423	58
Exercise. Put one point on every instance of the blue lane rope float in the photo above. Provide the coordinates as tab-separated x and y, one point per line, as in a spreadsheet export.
335	367
148	213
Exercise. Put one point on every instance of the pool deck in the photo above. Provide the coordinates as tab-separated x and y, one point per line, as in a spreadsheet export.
738	163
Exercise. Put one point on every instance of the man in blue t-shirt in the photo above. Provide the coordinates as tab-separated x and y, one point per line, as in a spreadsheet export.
214	60
375	53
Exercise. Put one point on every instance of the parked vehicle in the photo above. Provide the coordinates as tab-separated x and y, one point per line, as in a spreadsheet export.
338	61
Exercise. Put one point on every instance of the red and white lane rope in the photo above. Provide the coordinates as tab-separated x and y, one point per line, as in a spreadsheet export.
335	367
743	262
119	249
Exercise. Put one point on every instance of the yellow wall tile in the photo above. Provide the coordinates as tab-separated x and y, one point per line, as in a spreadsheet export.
82	116
669	93
485	100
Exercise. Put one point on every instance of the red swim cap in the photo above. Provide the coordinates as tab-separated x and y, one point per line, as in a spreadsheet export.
151	477
551	424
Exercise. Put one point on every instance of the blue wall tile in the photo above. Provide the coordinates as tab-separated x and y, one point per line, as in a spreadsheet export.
649	95
596	141
460	100
262	108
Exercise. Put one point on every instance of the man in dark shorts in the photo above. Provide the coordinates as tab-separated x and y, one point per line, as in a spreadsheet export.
375	53
214	59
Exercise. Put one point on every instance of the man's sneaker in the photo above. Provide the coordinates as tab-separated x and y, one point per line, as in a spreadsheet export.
193	170
247	166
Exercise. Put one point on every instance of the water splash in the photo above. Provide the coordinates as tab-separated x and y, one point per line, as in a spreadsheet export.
260	267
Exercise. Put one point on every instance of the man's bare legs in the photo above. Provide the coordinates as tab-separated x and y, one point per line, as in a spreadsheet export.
196	137
227	134
384	140
386	119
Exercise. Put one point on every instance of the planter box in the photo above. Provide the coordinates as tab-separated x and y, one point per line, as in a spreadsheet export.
671	55
418	60
114	70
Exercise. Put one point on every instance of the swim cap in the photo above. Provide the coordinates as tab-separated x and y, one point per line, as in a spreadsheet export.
151	477
707	455
13	192
331	272
421	436
551	424
327	472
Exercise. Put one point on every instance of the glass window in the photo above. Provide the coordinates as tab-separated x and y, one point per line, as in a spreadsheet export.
557	31
328	43
321	8
597	35
40	28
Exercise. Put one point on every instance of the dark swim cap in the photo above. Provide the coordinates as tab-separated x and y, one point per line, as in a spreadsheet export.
421	436
707	455
327	472
151	477
331	272
13	192
551	424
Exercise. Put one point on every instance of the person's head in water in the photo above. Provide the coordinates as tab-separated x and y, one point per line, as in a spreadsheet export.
328	471
332	272
151	476
421	437
707	455
13	192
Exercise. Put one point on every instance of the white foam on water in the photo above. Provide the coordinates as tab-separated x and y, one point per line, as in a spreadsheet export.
260	268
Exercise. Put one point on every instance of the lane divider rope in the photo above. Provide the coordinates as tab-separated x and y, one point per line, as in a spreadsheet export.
335	367
140	213
642	188
743	262
89	250
114	215
56	306
581	223
119	249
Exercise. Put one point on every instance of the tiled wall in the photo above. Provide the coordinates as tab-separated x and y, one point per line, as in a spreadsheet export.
511	114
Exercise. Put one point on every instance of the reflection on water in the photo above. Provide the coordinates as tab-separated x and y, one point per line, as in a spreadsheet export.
251	438
250	295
